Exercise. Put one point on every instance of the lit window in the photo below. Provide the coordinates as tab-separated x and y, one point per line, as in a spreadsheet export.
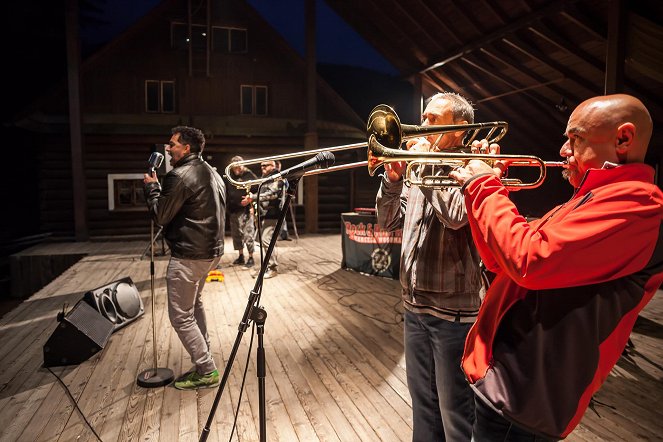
180	39
125	192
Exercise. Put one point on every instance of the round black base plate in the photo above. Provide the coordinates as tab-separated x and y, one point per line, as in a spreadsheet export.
155	377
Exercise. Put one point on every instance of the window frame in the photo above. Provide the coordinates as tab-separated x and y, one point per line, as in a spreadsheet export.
254	105
229	40
113	178
160	97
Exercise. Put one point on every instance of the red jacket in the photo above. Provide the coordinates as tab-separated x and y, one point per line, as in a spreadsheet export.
568	290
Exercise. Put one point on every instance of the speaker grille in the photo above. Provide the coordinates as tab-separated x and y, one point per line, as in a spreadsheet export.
84	317
118	301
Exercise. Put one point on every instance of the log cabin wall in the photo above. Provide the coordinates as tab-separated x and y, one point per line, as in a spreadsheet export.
120	131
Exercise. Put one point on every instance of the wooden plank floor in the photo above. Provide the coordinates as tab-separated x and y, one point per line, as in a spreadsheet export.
335	365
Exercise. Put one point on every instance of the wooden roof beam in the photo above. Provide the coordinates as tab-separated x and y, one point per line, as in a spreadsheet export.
567	47
552	8
616	50
501	109
541	58
541	81
532	96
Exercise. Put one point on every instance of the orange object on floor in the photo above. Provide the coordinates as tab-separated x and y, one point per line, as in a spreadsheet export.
214	275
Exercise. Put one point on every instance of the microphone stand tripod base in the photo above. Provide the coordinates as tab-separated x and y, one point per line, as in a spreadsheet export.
155	377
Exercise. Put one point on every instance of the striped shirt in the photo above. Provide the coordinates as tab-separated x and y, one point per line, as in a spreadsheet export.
440	273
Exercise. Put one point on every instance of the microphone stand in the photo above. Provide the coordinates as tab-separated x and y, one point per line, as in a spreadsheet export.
154	377
254	312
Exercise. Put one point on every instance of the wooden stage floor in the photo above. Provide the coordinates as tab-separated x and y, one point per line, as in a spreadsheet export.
335	364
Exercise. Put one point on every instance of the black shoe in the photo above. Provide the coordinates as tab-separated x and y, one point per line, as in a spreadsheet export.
270	273
249	262
239	260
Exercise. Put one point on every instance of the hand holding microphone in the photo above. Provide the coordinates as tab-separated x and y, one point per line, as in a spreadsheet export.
155	162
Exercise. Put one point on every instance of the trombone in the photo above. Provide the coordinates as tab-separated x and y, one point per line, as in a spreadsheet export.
385	135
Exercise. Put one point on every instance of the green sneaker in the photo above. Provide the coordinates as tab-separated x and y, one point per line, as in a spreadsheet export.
194	381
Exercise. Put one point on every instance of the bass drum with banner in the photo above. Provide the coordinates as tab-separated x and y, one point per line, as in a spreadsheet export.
118	301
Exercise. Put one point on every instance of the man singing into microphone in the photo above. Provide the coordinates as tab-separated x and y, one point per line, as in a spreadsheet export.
191	207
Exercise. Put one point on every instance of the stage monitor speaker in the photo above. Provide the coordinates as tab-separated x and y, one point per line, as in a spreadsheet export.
81	333
119	302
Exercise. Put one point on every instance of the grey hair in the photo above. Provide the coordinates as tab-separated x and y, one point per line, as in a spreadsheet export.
461	108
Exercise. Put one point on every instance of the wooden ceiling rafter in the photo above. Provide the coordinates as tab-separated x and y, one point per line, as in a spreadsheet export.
496	10
498	34
448	83
440	23
539	57
536	78
396	5
543	32
529	60
496	108
581	21
535	99
461	9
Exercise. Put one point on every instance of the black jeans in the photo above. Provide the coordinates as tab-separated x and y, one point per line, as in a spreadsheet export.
442	400
491	427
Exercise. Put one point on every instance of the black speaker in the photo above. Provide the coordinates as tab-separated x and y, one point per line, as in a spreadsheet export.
119	302
81	333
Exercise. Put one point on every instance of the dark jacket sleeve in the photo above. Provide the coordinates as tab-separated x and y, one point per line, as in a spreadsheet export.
164	203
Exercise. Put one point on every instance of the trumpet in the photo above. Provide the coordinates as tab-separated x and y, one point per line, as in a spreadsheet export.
385	134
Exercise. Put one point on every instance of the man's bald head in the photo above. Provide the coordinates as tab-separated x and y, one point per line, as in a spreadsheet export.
623	117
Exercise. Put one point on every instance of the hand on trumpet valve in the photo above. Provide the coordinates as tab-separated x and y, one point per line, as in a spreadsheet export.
480	167
483	147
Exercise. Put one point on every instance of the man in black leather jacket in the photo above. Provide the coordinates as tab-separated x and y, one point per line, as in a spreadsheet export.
191	208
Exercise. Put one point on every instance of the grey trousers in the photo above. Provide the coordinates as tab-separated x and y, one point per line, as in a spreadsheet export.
185	279
268	227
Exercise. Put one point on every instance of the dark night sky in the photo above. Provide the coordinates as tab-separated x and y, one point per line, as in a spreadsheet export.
337	42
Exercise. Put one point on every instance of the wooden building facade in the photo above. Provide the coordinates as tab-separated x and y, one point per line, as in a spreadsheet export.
216	65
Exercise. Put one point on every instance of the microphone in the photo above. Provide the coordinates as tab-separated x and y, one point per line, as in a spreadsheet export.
322	160
155	162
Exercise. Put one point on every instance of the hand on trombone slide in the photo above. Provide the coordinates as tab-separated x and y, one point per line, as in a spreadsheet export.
478	167
395	170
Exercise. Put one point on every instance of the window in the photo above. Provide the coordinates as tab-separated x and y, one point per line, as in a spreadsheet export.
179	38
224	39
229	40
160	96
125	192
253	100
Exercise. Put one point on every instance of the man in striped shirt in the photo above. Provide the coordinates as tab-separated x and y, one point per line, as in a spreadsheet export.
441	281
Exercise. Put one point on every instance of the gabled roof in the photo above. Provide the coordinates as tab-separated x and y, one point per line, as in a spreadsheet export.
529	62
44	116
